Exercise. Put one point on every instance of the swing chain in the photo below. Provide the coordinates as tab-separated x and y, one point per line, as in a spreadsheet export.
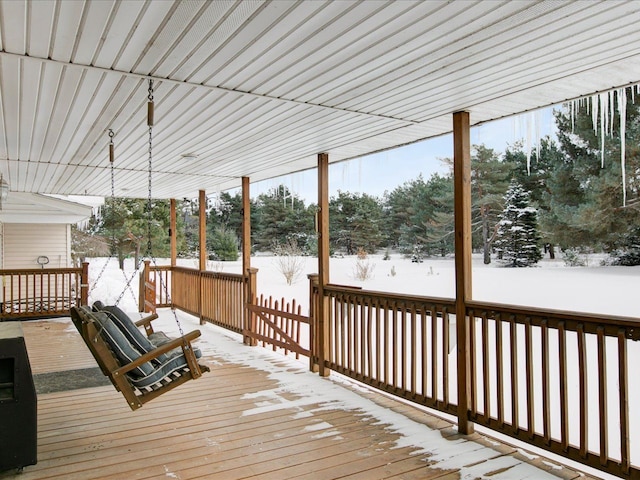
149	200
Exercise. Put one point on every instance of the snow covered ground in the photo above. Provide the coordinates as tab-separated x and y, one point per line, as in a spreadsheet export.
596	289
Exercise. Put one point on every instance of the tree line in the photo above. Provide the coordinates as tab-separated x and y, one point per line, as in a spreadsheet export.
566	192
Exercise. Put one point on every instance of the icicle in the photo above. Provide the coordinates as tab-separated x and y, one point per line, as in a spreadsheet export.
622	110
530	125
538	117
572	108
604	121
594	113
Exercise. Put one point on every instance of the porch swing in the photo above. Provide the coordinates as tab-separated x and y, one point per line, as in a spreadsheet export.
141	367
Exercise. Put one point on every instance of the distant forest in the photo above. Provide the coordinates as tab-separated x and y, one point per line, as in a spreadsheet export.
573	185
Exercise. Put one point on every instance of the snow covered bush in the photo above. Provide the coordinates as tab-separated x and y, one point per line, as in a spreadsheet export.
517	238
364	267
289	260
574	258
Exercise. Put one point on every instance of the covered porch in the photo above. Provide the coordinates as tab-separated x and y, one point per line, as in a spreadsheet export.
259	414
247	91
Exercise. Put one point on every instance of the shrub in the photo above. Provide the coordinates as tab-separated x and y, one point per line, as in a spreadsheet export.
289	260
573	258
364	267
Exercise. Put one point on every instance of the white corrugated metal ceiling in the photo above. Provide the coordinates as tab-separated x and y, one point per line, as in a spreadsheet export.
258	88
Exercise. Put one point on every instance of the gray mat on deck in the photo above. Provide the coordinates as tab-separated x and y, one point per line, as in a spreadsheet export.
69	380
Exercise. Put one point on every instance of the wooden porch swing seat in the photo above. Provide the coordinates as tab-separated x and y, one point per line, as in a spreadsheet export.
140	367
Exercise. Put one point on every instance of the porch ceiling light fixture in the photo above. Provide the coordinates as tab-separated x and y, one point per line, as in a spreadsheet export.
4	190
190	156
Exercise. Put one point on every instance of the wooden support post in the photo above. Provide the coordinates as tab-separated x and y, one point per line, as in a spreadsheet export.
323	263
250	317
202	218
313	323
84	284
462	214
173	232
246	256
202	221
246	225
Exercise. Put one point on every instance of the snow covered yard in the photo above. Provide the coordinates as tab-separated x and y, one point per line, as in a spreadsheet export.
551	284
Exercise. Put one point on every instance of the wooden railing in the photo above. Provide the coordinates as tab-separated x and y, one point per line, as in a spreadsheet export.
557	380
397	343
185	289
214	297
43	292
222	301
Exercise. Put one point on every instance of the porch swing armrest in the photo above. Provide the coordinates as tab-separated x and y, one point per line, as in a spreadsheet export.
156	352
146	323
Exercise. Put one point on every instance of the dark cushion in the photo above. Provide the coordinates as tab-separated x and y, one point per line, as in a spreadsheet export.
129	329
124	351
177	363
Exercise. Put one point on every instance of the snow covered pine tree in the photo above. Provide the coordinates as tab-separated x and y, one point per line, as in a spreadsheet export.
517	238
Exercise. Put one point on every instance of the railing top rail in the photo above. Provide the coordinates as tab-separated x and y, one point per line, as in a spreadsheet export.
207	273
28	271
631	324
400	297
160	267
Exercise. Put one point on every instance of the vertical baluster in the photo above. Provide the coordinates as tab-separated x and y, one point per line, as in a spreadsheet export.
378	341
434	351
369	345
394	342
385	356
528	333
582	372
623	383
445	356
364	335
472	359
403	356
499	369
513	344
353	315
486	371
413	356
546	411
602	397
564	400
343	329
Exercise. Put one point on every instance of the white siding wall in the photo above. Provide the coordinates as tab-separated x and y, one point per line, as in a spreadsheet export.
23	243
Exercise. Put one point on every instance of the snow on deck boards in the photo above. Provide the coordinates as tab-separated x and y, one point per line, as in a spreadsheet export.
256	415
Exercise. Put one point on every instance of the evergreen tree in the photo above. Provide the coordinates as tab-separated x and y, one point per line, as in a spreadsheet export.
280	216
224	245
419	216
126	224
489	181
536	178
586	199
517	238
355	222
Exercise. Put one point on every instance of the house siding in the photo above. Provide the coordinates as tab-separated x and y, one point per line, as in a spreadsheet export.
23	243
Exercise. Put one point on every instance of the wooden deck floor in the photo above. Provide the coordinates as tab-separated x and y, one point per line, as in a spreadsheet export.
221	427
